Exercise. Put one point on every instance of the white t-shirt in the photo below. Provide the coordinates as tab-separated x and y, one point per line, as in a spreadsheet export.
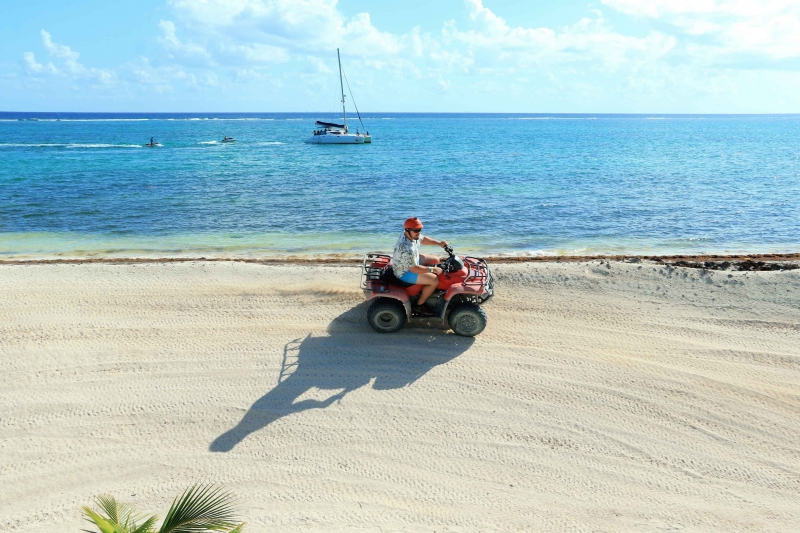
406	254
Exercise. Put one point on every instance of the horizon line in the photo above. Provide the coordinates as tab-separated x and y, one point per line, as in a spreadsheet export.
398	113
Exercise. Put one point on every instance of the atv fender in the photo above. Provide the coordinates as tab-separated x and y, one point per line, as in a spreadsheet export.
453	292
397	294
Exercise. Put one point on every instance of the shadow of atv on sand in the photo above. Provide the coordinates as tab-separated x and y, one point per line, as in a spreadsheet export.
350	356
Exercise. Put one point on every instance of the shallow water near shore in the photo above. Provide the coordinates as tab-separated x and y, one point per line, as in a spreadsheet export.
82	185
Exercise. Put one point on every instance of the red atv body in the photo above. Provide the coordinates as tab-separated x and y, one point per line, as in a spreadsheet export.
464	285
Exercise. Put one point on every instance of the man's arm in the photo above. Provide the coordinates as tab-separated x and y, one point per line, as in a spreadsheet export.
428	240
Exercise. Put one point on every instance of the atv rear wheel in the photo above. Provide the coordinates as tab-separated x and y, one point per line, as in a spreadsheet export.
467	319
386	316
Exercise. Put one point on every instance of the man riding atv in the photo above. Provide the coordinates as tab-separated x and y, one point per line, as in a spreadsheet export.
412	267
452	290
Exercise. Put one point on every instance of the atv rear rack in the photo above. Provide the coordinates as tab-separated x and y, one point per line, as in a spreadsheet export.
372	272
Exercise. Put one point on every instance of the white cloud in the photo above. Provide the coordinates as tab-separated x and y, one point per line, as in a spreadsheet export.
302	26
770	28
160	79
67	60
254	53
134	77
59	50
37	68
167	78
187	50
590	39
738	8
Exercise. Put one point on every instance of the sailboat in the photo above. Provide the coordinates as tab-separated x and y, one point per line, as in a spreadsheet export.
333	133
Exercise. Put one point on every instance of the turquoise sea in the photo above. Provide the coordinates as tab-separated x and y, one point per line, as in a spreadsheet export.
76	185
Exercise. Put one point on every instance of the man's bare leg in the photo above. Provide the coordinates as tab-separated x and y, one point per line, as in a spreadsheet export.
429	281
427	259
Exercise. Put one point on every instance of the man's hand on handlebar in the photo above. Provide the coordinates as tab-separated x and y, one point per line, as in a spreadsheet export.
435	270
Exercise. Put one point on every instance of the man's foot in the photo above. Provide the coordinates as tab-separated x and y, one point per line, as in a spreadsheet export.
422	310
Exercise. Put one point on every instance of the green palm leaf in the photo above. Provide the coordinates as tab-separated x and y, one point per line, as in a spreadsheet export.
119	517
121	514
147	526
200	509
103	524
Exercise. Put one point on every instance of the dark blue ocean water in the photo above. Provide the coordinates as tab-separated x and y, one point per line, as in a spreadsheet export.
82	184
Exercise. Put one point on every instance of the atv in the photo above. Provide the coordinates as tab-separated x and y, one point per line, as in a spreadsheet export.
464	284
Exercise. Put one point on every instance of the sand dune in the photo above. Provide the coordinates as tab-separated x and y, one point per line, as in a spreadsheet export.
603	396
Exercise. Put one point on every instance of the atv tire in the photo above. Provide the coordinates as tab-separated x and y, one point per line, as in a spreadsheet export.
467	319
386	316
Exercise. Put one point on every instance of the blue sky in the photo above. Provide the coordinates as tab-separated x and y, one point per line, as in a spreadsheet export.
604	56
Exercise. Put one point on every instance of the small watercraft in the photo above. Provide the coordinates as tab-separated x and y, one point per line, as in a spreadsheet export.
227	139
152	143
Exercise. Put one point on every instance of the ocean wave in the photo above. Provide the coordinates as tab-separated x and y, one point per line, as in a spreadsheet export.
99	145
269	143
528	253
35	145
92	119
67	145
553	118
209	142
223	119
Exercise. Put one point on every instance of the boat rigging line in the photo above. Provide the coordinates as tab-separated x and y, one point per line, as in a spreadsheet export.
353	98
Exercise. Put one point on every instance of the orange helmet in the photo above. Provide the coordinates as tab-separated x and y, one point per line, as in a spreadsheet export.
413	223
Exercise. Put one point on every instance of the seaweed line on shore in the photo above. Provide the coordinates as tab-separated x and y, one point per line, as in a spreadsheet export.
750	262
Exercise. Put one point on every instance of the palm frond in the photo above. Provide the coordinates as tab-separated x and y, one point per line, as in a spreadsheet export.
119	517
238	529
102	523
147	526
118	513
108	504
201	508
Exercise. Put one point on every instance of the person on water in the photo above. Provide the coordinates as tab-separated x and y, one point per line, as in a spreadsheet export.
411	266
152	141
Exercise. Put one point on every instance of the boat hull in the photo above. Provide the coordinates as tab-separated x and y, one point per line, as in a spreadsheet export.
345	138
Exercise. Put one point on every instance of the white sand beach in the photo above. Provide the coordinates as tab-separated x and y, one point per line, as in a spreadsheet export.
602	396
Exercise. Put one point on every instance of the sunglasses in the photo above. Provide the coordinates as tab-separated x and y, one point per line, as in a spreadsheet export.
414	230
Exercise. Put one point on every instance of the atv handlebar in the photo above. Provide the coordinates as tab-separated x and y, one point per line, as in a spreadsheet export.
451	263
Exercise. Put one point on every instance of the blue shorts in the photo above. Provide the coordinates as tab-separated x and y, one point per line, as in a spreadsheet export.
409	277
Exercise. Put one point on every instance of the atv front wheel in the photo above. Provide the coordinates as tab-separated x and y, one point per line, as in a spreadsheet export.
467	319
386	316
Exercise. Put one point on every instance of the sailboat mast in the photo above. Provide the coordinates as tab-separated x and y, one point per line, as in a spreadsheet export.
344	113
